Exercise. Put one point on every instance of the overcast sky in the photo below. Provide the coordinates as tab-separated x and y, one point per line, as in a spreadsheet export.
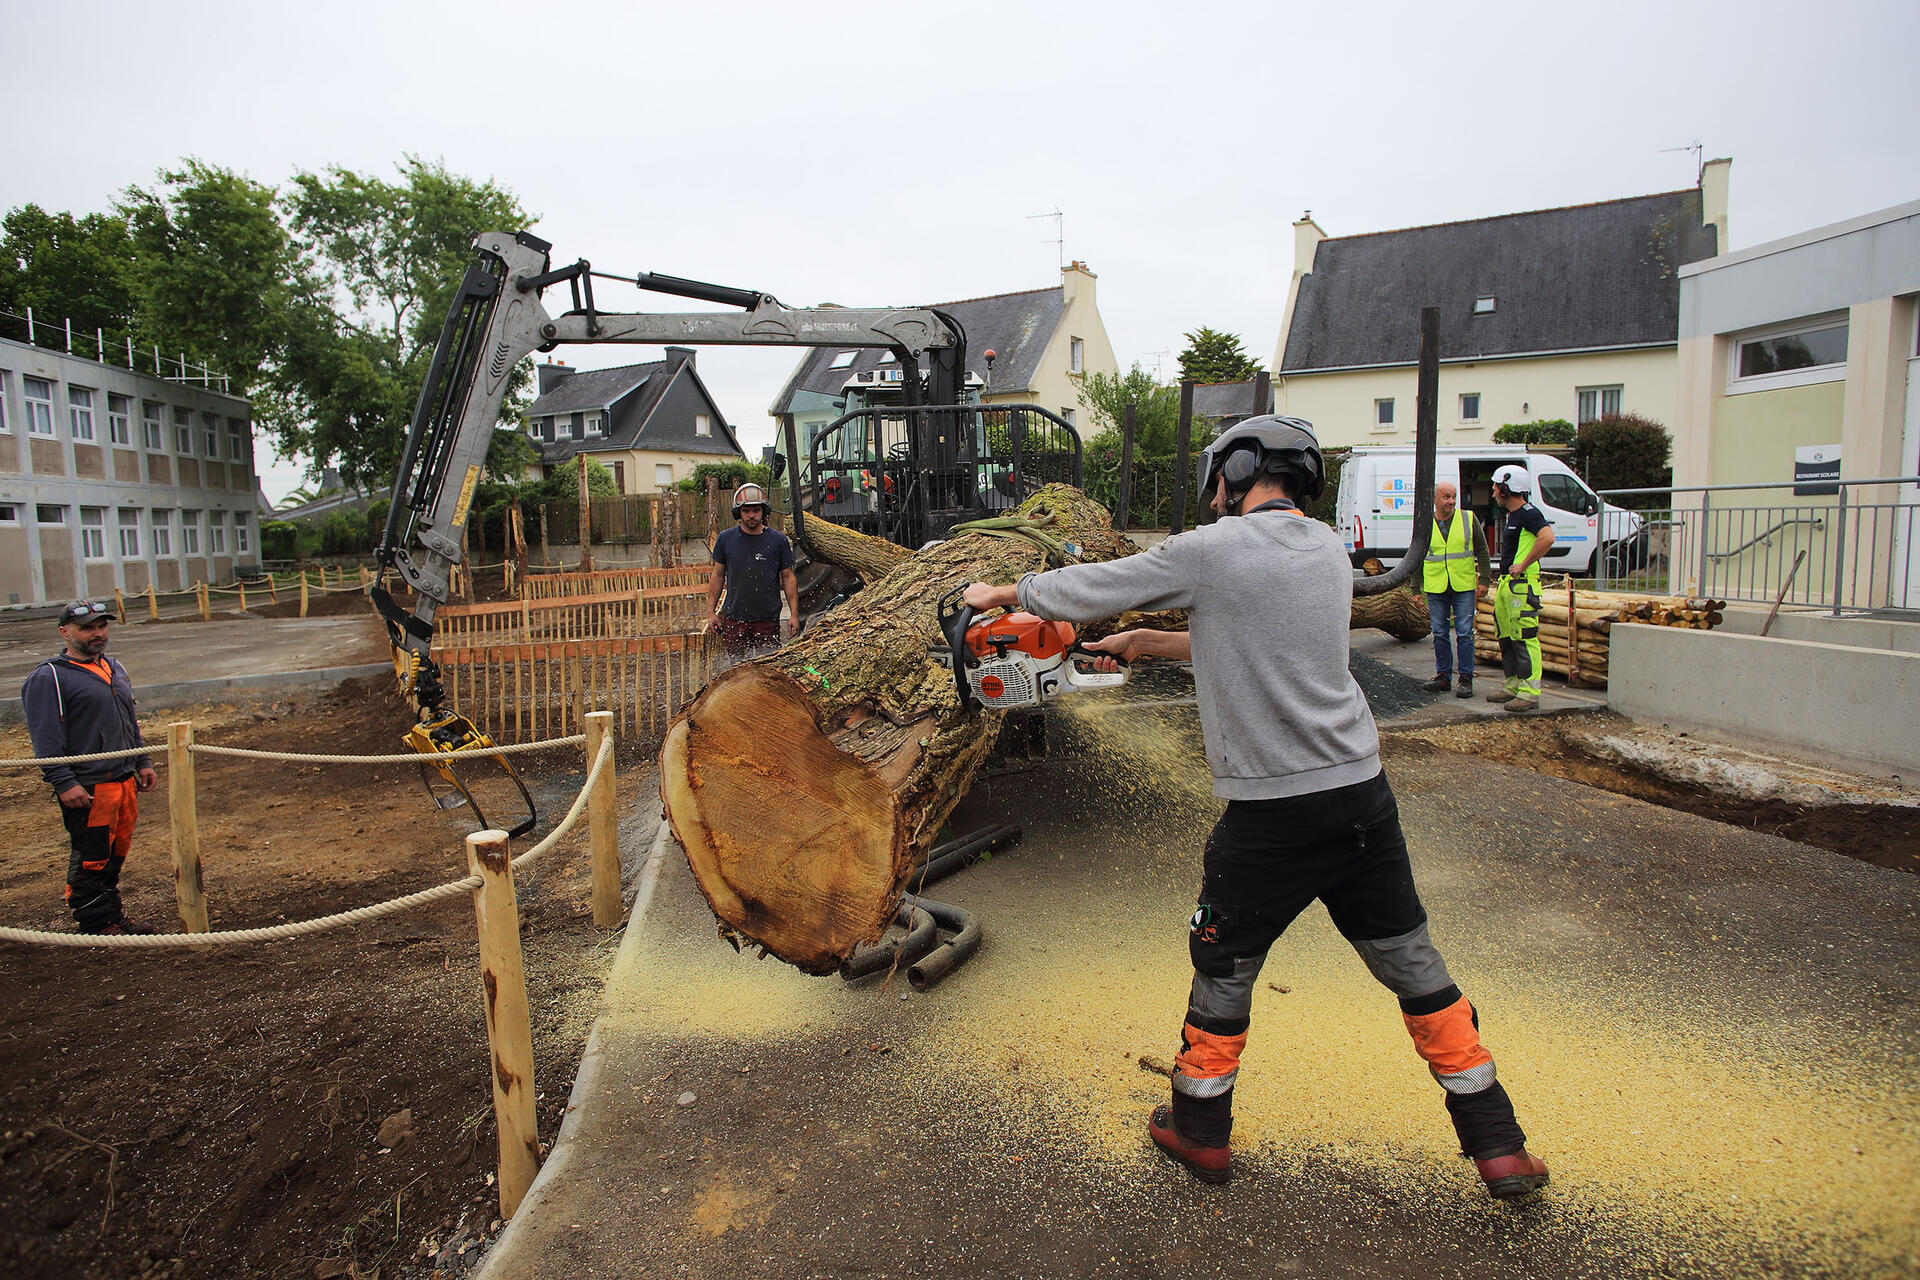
894	154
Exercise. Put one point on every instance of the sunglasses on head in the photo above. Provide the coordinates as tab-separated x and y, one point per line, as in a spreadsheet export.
85	609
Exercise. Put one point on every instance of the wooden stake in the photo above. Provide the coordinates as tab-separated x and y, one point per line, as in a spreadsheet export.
303	593
243	595
509	1029
187	890
119	606
586	519
603	826
273	590
153	605
206	605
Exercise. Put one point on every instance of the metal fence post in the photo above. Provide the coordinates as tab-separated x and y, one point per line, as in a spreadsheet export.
1840	551
1700	584
1600	548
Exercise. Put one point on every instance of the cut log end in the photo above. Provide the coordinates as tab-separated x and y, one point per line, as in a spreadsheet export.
793	842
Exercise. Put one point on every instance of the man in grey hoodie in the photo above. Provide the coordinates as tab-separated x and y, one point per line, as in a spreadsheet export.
1293	750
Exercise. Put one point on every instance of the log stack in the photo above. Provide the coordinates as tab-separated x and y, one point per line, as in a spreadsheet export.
1576	626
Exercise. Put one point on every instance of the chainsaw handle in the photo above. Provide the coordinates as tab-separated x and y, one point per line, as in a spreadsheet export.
1082	679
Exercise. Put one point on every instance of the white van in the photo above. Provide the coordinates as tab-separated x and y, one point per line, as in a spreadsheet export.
1374	508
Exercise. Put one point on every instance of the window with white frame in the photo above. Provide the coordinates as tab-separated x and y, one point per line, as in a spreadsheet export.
189	531
1076	356
183	432
593	424
80	412
844	360
151	428
120	419
1594	403
210	427
1383	412
1470	406
39	396
1794	355
702	424
1067	414
1483	305
236	447
129	519
9	513
162	520
48	513
217	533
6	391
93	533
663	474
241	544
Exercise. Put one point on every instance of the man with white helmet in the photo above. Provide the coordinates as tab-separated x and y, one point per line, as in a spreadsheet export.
754	566
1293	750
1516	600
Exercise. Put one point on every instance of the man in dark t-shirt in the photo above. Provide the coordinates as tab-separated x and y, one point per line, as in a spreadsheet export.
1516	601
754	566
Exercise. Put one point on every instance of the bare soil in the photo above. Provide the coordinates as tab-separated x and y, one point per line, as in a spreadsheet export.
1884	835
233	1112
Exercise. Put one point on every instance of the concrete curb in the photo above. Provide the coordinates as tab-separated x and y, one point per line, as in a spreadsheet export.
185	691
587	1077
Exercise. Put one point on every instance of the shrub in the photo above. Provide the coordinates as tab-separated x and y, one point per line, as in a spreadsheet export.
731	475
1625	451
1540	431
279	540
565	481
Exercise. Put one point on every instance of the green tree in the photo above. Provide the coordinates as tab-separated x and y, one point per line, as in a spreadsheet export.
386	260
213	267
565	481
66	268
1106	396
1625	451
1212	356
511	455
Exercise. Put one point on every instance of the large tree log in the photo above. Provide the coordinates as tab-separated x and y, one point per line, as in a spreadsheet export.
805	785
868	557
1401	614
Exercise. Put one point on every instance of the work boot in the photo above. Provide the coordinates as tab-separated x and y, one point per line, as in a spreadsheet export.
1521	703
1209	1164
1466	688
135	927
1511	1176
1439	684
1500	695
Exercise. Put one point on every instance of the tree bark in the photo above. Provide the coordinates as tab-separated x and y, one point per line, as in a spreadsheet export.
868	557
1401	614
805	785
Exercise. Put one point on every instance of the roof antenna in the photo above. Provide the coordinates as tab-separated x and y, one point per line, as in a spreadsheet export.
1059	241
1697	149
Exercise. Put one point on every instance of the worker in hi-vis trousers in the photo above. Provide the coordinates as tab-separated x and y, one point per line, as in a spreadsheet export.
1294	752
1516	601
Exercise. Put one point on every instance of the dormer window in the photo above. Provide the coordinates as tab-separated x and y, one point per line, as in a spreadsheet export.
1483	306
593	424
844	360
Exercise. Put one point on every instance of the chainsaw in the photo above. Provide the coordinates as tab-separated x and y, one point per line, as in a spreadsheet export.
1015	659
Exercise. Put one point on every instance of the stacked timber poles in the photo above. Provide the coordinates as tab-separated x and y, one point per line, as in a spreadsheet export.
806	785
490	882
1576	626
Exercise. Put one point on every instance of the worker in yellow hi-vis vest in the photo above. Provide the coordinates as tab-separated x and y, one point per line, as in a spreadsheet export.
1516	602
1455	576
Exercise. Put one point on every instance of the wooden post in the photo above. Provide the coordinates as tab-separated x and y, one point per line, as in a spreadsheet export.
187	889
303	593
366	580
466	557
206	605
503	981
1183	447
273	590
1126	466
603	826
713	510
119	606
517	534
153	604
243	595
586	519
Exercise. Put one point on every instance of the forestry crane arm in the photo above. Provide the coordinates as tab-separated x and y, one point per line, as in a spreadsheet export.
497	319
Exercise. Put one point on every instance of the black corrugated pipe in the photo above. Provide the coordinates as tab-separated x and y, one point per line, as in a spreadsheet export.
920	938
943	960
1426	436
950	857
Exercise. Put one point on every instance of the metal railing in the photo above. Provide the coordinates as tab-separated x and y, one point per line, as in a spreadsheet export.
1855	548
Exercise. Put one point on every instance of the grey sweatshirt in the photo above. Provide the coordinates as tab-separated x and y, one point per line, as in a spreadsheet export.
1268	598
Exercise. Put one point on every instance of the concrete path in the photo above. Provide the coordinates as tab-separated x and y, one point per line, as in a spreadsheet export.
166	652
1710	1034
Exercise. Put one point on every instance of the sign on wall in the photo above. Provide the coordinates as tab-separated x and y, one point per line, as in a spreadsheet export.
1816	470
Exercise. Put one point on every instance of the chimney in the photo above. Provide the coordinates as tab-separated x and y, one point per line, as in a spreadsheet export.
680	355
1076	282
1714	175
552	374
1307	236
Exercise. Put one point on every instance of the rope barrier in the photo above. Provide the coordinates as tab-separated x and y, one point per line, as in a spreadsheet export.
158	749
413	757
320	924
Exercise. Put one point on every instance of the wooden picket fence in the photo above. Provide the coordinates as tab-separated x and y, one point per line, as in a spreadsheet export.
546	586
525	692
652	611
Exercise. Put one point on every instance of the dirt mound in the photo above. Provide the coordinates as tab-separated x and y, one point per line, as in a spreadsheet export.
221	1114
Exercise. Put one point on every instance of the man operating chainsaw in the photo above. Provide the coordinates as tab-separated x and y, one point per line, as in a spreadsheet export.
1293	751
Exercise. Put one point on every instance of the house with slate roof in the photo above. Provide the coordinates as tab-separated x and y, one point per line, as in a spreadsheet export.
650	424
1560	313
1041	340
1227	404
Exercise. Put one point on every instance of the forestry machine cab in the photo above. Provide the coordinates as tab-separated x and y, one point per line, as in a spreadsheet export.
496	319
